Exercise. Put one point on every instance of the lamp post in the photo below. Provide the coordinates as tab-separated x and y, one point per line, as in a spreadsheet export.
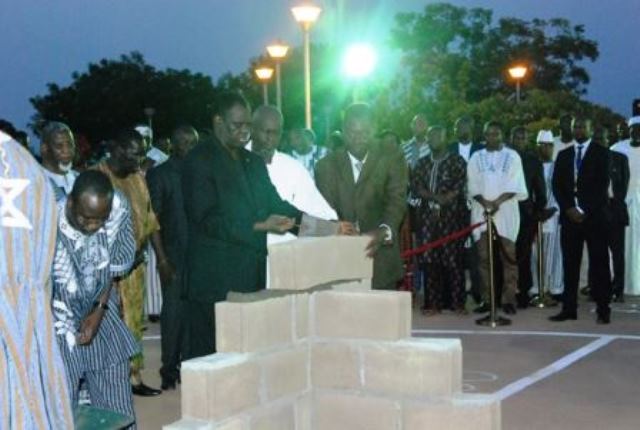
306	15
264	75
518	73
358	62
277	52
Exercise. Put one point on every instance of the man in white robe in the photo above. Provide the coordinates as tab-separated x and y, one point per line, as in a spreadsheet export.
495	184
631	148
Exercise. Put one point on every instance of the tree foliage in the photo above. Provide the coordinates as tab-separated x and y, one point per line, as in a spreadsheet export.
112	94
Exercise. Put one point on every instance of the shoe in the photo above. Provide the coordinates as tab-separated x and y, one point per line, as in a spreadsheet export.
154	318
586	290
509	309
603	319
144	390
168	384
461	311
430	311
482	309
564	316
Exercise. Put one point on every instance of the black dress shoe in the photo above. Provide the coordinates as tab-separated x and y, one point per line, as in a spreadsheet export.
603	319
144	390
482	309
564	316
509	309
618	298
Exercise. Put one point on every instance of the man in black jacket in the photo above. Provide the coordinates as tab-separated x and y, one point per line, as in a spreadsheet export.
165	188
230	205
531	210
581	185
619	175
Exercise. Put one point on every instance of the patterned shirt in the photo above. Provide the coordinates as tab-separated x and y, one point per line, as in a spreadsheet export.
414	152
83	268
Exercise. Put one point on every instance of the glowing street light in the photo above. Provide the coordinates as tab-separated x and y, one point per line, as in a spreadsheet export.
264	75
518	73
358	62
306	15
277	52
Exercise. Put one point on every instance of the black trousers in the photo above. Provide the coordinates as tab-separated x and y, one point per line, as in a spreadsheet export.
201	328
572	239
524	242
471	263
616	235
172	330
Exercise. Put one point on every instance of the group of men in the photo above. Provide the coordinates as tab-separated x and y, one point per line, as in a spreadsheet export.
581	193
209	210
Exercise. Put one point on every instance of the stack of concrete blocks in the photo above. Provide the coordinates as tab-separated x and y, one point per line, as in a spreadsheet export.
328	360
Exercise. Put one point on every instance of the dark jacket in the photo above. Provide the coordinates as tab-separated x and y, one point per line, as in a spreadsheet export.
536	187
453	148
592	185
223	199
165	189
379	197
619	174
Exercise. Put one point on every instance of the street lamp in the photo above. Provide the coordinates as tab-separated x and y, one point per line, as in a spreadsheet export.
306	15
518	73
358	62
264	75
277	52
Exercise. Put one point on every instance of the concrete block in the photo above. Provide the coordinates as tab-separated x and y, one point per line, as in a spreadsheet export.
378	315
336	411
413	368
285	373
335	365
334	258
274	417
254	326
477	411
301	315
189	424
220	385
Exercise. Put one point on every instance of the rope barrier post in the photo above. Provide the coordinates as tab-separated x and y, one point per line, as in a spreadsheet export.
492	320
541	301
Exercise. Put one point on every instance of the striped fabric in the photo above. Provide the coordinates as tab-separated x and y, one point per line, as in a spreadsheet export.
83	268
153	299
413	153
33	389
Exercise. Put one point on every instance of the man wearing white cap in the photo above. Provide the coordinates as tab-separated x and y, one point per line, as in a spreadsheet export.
550	229
631	148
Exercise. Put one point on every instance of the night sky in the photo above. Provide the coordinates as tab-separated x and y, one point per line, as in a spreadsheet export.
45	41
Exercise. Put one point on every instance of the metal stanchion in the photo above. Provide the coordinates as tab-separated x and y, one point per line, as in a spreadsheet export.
493	319
541	300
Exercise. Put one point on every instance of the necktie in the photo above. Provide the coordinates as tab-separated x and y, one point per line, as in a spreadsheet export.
358	165
579	159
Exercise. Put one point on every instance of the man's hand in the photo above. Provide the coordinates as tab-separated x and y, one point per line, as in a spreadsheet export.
346	228
166	271
377	240
547	213
574	215
276	224
89	326
488	205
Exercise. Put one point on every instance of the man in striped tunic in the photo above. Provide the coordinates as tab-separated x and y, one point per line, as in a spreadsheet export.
33	389
95	246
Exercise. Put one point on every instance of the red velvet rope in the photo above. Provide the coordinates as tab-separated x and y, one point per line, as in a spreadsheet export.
436	243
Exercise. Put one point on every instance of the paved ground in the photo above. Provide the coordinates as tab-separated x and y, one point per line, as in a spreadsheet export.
572	375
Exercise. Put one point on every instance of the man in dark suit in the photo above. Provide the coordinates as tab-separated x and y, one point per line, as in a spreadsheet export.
366	183
230	205
580	185
466	147
165	189
531	210
619	174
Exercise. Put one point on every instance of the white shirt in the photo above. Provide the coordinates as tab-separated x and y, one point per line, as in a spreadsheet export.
464	150
490	174
295	185
357	165
633	156
559	145
65	182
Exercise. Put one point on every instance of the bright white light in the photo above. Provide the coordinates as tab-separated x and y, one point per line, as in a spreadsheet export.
518	72
264	73
306	14
359	60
